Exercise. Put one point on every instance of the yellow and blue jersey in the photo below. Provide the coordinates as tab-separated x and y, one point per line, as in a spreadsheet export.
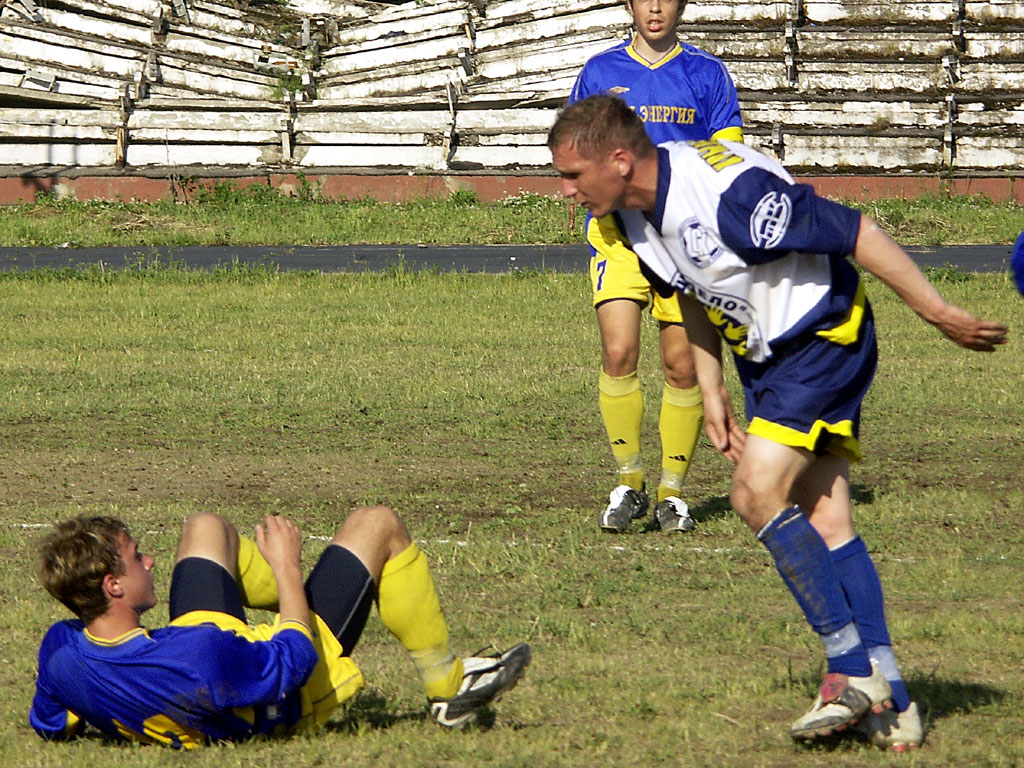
688	94
178	685
764	256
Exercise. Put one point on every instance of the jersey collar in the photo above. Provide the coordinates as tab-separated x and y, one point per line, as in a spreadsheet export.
653	65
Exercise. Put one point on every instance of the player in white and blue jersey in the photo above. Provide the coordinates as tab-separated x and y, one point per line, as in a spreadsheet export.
680	92
763	261
209	675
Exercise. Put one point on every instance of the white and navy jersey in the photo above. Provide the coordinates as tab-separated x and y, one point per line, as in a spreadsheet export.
687	94
763	255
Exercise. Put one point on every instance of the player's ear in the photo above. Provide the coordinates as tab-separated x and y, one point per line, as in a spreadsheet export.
112	586
623	160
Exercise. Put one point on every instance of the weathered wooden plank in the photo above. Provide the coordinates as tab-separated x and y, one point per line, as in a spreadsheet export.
221	136
222	155
889	43
994	11
68	51
830	152
379	156
56	132
99	27
243	51
504	121
45	155
611	23
387	83
223	104
769	12
845	114
70	83
531	60
864	76
905	12
997	153
984	78
424	52
377	31
210	120
125	13
74	118
990	115
380	122
469	157
989	45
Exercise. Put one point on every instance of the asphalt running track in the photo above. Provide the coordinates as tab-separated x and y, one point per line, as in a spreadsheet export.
364	258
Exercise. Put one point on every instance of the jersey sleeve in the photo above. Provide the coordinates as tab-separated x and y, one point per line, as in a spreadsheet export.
48	716
258	672
763	217
582	87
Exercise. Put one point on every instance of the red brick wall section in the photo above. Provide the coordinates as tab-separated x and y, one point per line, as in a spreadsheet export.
397	188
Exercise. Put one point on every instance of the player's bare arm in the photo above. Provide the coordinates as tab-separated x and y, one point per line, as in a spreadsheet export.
280	542
879	255
720	422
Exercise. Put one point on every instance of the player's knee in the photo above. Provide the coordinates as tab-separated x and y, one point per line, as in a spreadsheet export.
619	357
681	373
747	499
377	522
207	525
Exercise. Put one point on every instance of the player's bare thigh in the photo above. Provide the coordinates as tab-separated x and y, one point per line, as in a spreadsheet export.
764	479
619	323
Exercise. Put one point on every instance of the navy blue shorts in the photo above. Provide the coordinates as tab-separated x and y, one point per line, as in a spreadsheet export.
808	395
340	591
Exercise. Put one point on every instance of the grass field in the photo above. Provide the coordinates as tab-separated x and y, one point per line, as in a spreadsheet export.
468	403
260	215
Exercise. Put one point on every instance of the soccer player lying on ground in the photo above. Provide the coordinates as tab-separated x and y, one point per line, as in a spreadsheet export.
209	676
763	260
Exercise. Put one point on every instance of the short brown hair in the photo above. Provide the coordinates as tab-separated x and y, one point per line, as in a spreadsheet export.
76	557
599	125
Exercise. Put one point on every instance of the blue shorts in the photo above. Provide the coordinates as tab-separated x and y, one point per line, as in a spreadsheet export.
808	395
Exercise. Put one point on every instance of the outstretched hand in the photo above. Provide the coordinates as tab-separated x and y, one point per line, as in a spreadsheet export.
279	541
970	332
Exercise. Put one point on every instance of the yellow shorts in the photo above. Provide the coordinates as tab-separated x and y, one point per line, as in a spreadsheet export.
335	678
615	272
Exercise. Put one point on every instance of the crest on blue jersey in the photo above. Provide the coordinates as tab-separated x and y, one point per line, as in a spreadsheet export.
701	245
770	220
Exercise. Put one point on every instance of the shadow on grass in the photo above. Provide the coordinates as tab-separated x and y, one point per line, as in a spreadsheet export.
372	710
711	509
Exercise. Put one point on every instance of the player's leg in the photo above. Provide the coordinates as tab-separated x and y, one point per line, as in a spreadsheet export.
681	418
620	292
831	514
205	564
763	493
372	553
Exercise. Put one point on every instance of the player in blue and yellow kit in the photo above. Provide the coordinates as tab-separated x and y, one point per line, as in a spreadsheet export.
763	261
680	92
209	675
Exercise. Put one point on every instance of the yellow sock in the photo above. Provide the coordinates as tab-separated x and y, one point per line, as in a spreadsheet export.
255	577
622	408
410	608
682	416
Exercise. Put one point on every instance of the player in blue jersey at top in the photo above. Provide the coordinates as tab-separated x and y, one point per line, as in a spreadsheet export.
209	675
680	92
764	261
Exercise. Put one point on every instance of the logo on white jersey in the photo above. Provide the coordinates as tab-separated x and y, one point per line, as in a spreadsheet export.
701	245
770	220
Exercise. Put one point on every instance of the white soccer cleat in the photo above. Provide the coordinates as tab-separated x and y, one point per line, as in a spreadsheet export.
841	702
892	730
484	680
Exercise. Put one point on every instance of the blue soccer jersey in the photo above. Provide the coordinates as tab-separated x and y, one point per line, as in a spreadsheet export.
688	94
763	255
179	685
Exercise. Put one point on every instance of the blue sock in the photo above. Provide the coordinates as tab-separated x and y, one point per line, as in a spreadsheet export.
803	561
863	591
